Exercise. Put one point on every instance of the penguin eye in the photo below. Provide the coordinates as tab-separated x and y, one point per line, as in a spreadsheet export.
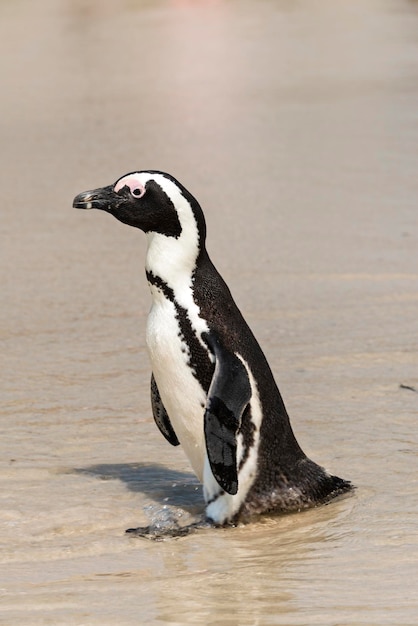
138	192
135	187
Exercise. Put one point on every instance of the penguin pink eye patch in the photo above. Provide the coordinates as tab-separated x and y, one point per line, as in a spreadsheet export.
136	188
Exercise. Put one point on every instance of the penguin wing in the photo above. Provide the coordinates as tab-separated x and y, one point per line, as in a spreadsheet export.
229	394
160	415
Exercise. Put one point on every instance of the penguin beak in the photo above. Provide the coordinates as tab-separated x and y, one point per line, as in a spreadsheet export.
95	199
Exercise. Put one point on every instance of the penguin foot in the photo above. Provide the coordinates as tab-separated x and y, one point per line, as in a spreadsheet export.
158	532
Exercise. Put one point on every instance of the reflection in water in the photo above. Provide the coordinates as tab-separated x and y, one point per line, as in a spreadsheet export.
295	125
250	574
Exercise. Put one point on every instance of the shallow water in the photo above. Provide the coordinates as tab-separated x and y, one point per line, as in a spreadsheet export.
295	124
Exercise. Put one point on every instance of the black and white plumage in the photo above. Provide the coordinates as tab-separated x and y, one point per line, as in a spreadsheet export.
212	390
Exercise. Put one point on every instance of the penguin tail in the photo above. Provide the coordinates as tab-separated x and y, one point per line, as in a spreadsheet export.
317	486
305	485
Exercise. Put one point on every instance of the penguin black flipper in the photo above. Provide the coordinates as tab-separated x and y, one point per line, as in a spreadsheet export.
228	396
160	415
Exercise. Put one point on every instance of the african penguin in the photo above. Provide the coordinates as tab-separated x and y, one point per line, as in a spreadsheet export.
212	390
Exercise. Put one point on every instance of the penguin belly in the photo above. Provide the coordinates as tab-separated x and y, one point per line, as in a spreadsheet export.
181	393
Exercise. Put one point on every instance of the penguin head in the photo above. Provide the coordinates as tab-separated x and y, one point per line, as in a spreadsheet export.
153	201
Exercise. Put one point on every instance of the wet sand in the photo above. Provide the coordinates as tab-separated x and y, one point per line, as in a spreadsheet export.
295	125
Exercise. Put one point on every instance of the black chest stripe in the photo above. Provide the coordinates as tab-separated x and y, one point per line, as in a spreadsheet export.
198	357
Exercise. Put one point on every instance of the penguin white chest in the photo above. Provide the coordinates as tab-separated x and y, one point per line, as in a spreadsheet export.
182	395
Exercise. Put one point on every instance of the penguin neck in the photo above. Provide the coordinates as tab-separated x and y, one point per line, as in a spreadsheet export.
173	260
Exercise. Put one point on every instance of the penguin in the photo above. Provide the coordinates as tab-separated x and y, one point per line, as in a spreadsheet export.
212	390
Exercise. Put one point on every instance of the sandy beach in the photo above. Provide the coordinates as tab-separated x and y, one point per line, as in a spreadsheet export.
295	125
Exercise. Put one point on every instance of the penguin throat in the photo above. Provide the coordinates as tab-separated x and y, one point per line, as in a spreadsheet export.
173	260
